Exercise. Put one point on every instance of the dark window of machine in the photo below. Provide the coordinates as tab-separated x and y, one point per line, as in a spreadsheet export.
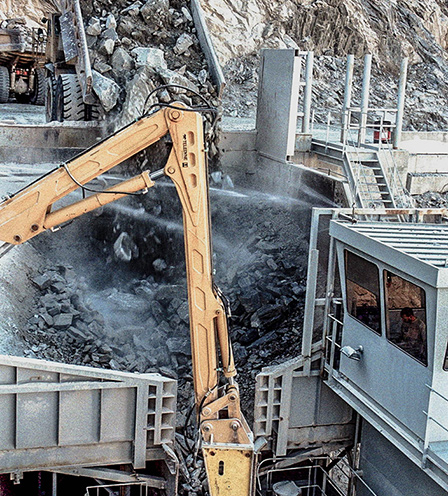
363	289
406	315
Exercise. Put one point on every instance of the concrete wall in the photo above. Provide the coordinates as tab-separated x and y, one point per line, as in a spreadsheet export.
420	183
55	142
441	136
427	162
419	172
240	160
238	152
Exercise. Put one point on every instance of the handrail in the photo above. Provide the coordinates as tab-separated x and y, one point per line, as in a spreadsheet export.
435	421
332	317
357	174
398	190
437	392
312	482
432	390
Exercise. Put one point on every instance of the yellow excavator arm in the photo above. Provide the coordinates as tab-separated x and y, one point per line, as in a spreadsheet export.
227	441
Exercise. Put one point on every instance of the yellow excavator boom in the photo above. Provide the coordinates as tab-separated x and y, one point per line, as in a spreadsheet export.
227	440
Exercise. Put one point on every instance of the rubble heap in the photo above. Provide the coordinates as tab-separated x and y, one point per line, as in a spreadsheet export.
136	47
135	299
127	308
433	199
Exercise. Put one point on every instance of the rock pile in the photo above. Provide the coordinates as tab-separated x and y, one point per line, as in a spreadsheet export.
432	199
64	328
426	104
137	320
21	32
136	47
67	327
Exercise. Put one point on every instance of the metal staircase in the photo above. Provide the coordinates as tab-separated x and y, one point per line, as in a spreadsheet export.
371	176
370	181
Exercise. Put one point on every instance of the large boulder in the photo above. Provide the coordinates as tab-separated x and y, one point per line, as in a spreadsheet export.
106	89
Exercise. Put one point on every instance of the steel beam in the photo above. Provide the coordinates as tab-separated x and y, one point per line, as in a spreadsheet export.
308	92
347	98
400	104
365	99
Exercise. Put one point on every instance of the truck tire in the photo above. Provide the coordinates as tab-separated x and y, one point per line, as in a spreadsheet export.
50	99
68	99
39	90
4	84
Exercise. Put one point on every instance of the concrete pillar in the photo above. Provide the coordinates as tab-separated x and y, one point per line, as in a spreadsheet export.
54	484
278	101
308	92
345	121
400	103
365	99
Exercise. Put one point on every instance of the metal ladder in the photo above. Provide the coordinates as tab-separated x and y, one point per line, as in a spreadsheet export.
367	180
371	182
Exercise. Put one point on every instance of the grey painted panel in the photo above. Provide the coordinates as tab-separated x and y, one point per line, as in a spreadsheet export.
8	425
278	96
7	374
401	375
390	473
400	378
117	414
32	375
37	422
303	401
75	378
313	403
93	454
57	404
79	419
417	268
332	409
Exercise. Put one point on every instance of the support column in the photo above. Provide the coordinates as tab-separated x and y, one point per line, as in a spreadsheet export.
278	101
400	103
365	99
345	121
54	484
308	93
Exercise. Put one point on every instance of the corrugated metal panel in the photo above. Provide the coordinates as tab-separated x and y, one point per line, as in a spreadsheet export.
427	242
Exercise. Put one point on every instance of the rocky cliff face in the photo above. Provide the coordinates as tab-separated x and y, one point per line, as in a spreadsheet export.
31	10
389	30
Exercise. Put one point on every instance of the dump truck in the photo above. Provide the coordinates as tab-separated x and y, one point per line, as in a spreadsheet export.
68	71
22	61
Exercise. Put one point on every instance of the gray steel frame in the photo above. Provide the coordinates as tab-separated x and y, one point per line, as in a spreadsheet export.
431	455
74	42
55	415
207	46
278	96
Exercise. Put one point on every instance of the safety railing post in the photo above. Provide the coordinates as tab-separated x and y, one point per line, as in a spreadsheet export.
400	106
365	99
345	116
